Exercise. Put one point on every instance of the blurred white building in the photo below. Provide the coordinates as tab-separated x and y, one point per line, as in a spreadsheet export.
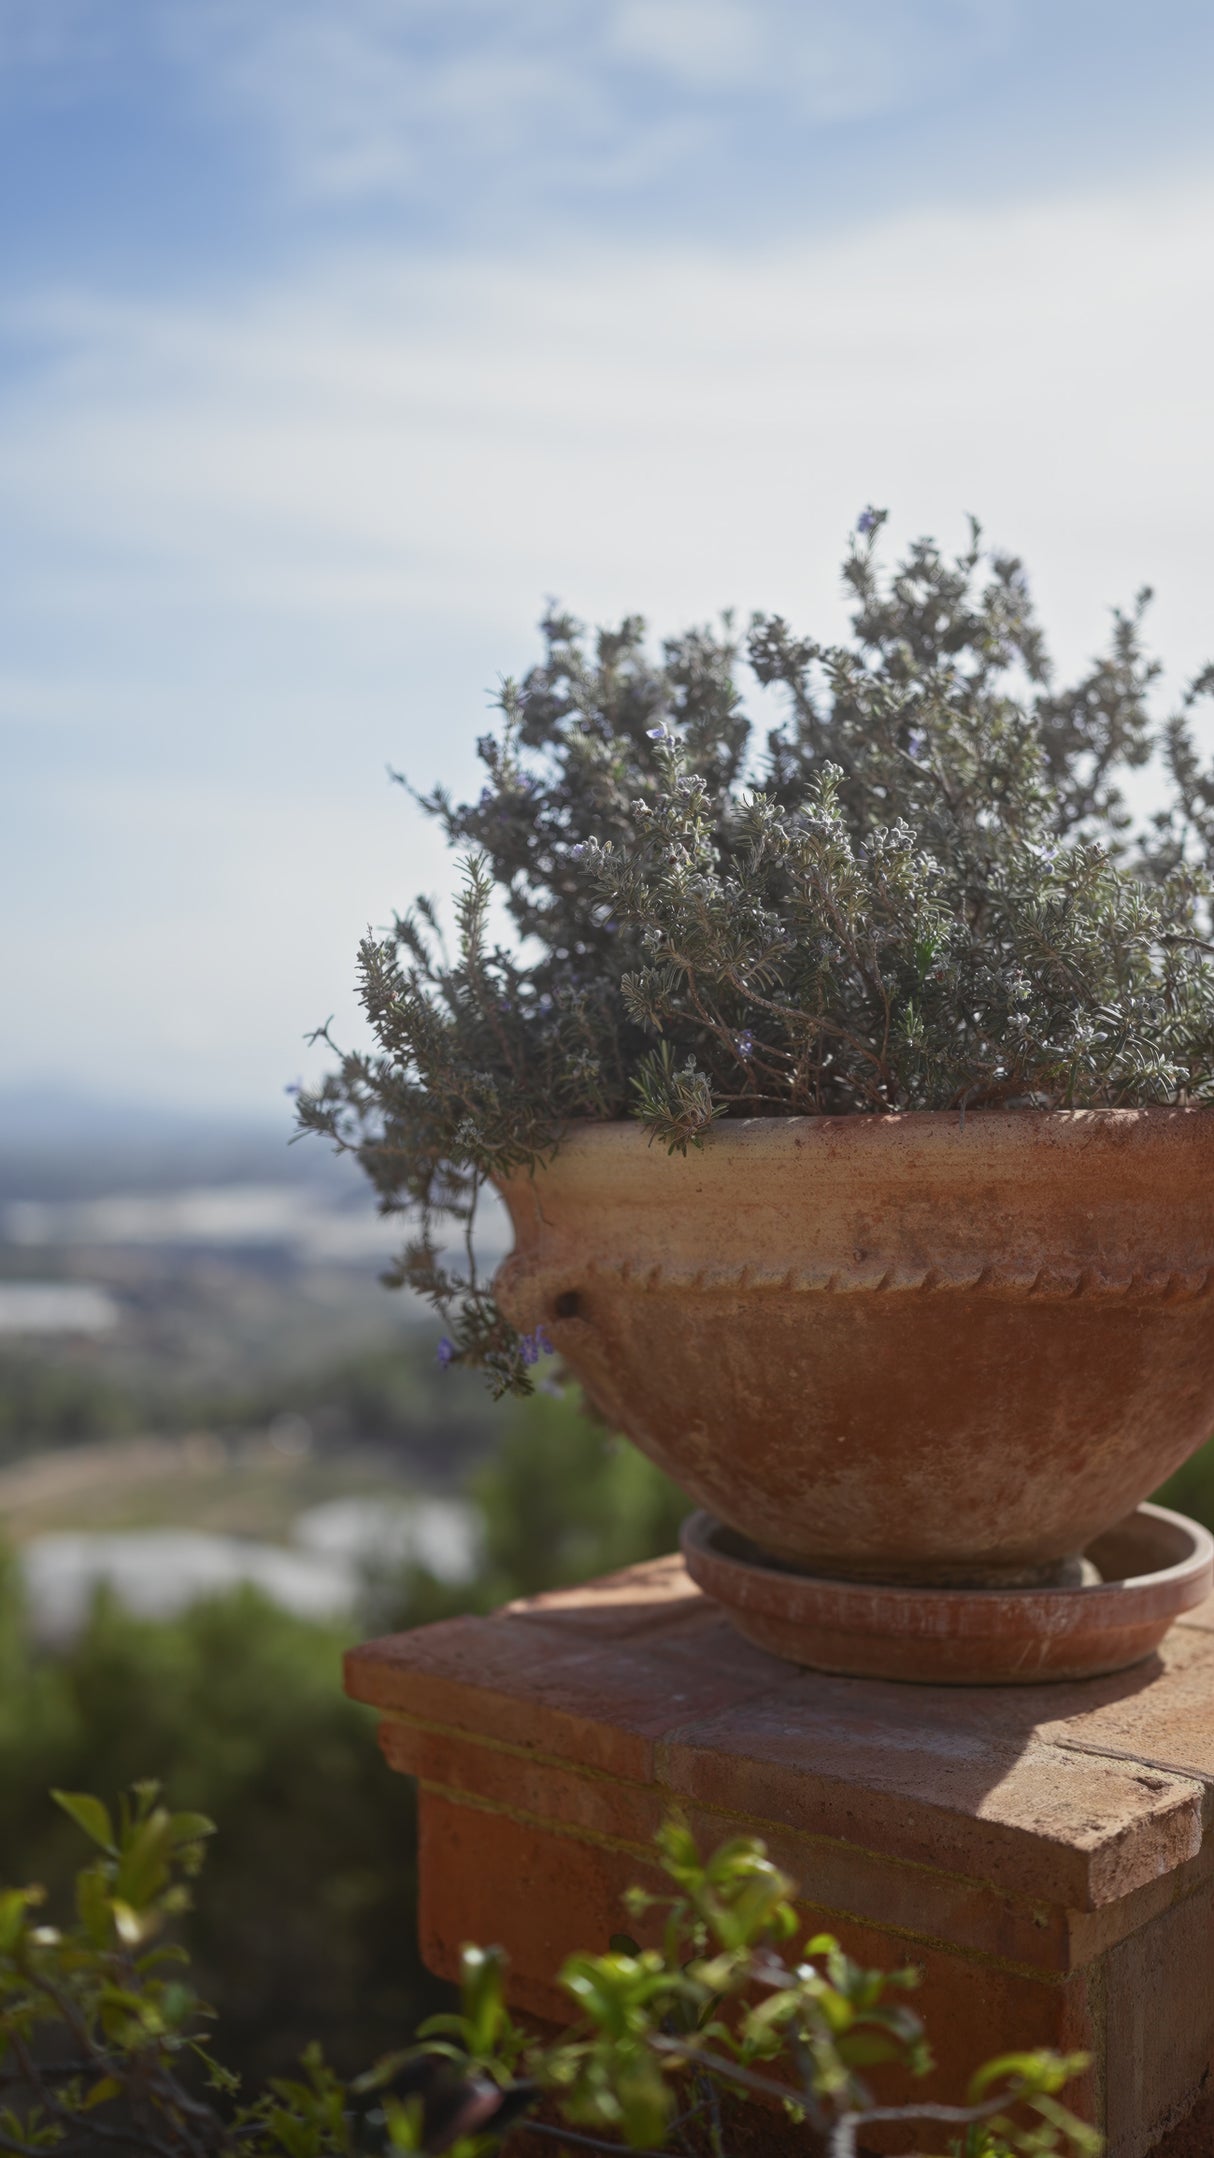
158	1573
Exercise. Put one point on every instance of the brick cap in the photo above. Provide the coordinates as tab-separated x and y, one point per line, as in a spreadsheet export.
1076	1794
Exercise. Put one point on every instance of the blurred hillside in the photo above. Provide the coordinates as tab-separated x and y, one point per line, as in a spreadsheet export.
225	1452
203	1382
170	1267
158	1272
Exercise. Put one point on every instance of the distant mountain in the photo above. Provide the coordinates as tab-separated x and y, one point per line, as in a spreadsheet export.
58	1143
34	1110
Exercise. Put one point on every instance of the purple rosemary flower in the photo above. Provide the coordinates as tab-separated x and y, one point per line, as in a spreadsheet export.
744	1043
446	1353
533	1346
577	852
867	521
916	743
660	734
295	1087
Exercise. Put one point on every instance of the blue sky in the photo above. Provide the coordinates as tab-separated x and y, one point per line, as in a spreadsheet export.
334	337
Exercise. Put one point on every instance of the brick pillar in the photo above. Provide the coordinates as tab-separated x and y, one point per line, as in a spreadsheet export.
1039	1852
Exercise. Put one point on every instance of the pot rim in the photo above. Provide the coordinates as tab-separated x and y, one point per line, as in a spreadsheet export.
951	1119
938	1134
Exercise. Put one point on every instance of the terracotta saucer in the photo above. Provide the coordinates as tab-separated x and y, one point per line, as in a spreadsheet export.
1152	1566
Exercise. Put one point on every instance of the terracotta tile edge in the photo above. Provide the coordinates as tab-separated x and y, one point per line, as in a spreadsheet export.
736	1817
733	1819
642	1853
538	1756
809	1907
1144	1829
398	1655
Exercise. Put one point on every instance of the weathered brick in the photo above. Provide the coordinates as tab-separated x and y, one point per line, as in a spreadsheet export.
1039	1853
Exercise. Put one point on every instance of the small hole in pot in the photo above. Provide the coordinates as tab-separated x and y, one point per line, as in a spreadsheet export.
568	1305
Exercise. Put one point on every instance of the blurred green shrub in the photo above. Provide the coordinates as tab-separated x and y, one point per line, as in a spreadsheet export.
104	2040
45	1403
308	1929
563	1500
1191	1490
394	1399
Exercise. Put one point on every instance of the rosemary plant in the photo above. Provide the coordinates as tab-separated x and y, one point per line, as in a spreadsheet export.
917	887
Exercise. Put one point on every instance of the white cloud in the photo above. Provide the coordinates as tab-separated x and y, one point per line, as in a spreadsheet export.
264	544
703	43
379	99
354	95
828	61
690	429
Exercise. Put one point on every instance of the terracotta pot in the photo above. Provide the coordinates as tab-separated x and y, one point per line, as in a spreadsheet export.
914	1349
